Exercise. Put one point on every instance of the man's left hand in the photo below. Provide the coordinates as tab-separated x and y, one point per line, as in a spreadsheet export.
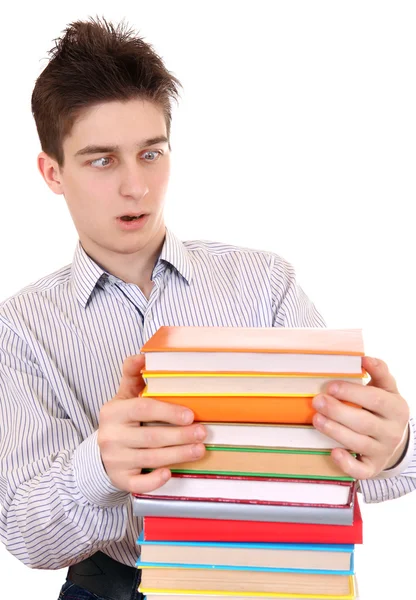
378	432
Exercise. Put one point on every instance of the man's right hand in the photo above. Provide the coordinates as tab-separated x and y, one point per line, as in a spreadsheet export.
126	447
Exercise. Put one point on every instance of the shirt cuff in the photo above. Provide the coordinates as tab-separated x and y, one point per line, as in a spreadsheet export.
404	463
91	477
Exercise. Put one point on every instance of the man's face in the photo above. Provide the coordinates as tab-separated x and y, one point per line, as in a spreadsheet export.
105	186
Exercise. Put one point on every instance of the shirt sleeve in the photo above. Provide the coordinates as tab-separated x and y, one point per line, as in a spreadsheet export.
292	308
395	482
57	503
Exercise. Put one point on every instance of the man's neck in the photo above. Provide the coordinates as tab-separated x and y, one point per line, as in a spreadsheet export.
134	268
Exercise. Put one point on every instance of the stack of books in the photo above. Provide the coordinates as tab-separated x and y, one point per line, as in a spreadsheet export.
266	512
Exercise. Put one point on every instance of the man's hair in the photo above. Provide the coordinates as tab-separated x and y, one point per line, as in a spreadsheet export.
95	62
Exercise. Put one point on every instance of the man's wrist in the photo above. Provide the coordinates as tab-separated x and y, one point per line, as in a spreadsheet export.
401	451
91	476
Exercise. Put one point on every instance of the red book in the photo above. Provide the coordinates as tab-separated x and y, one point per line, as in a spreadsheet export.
212	530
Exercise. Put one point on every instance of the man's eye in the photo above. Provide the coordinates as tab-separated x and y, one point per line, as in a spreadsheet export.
155	153
104	158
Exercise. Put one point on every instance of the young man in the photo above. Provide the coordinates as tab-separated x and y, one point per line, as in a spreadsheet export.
72	448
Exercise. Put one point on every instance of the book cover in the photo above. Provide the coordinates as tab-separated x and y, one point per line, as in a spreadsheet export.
155	594
245	409
262	435
252	361
266	462
303	340
285	557
140	564
204	596
209	529
154	507
243	384
238	581
257	490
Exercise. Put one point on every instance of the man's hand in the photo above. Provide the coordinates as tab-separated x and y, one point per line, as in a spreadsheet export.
379	433
127	448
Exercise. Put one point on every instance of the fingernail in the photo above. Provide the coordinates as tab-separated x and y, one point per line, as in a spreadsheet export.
333	389
187	416
374	362
199	433
319	420
165	475
318	402
197	450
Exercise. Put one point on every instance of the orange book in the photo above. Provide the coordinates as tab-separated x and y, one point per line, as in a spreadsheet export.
245	409
260	349
318	340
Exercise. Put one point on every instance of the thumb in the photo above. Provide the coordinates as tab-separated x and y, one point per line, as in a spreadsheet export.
380	374
132	382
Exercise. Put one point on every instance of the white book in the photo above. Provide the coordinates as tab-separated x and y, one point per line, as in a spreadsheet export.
171	384
263	490
253	361
263	435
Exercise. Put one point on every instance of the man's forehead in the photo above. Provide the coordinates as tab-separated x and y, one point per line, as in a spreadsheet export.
103	148
123	118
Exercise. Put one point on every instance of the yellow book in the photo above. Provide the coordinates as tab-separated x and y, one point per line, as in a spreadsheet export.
257	584
245	384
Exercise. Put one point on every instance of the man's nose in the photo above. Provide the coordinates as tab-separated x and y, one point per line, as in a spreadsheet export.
133	181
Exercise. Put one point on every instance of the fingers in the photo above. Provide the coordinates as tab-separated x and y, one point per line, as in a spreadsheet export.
380	375
359	420
371	436
132	382
142	483
372	398
377	431
128	459
356	442
331	411
365	468
124	467
139	410
159	437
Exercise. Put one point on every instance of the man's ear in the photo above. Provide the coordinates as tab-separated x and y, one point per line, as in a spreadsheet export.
51	173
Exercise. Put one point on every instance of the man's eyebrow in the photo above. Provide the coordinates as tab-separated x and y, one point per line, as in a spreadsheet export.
95	149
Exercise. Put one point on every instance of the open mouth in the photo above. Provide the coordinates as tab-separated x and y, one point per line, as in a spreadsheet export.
131	217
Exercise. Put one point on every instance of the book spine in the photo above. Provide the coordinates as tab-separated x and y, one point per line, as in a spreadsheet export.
207	530
239	501
324	482
141	564
143	507
237	409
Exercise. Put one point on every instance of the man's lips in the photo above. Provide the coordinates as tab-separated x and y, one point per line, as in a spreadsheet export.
129	216
131	224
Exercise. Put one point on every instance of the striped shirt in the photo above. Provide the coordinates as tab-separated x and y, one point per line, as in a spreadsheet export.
63	341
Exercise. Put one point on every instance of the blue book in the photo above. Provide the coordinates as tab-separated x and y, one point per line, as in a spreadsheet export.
331	559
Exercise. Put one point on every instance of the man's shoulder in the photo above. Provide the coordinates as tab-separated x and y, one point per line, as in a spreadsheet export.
203	250
36	289
219	248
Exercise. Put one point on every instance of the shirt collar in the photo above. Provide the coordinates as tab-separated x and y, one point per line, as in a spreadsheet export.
85	272
175	253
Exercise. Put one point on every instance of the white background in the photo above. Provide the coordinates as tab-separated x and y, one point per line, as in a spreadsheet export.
296	134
